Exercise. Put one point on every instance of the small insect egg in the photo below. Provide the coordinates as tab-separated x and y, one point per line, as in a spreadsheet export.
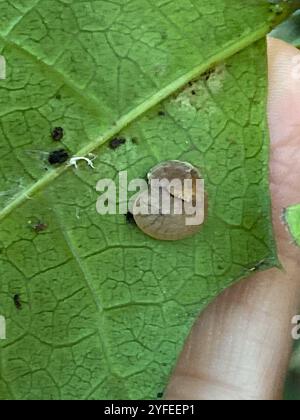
57	133
39	227
58	157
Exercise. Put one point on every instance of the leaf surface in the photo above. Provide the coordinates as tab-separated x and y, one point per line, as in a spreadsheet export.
292	218
104	309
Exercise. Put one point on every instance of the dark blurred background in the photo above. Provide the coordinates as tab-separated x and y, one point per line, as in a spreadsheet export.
292	390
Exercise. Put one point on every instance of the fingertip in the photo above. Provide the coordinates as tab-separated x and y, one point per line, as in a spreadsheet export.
284	89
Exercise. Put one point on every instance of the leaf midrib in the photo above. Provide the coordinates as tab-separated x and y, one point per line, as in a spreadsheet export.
228	51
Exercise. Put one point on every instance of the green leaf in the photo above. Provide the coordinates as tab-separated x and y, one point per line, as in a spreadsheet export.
104	310
289	30
292	219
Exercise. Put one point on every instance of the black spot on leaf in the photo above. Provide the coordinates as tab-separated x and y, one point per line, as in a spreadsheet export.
117	142
39	227
130	218
57	133
207	75
58	157
17	302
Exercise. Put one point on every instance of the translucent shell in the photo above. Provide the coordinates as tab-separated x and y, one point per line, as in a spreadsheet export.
174	169
166	217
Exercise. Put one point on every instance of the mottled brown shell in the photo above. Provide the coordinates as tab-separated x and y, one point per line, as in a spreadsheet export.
170	226
175	169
